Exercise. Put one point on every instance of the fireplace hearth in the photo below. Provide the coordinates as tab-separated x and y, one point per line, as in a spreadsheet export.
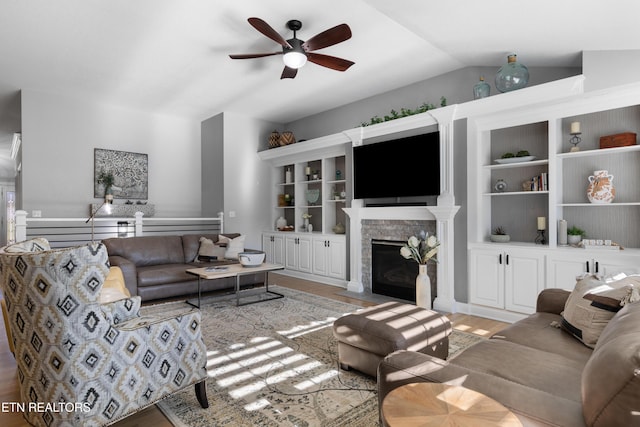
391	274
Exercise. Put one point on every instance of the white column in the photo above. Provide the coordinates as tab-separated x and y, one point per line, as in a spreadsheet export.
355	247
444	300
445	116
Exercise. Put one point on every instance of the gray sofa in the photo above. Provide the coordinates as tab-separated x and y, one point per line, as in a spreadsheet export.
154	267
544	375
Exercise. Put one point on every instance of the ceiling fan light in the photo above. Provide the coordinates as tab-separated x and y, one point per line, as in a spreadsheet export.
294	59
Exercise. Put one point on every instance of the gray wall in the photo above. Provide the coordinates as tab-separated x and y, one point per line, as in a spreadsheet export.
456	86
610	68
59	134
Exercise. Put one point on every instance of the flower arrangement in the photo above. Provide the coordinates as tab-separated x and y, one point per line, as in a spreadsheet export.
306	215
421	249
107	179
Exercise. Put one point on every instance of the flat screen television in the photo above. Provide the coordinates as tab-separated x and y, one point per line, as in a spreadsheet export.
404	167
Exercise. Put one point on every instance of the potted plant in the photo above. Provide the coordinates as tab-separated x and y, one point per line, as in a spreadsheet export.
575	235
499	235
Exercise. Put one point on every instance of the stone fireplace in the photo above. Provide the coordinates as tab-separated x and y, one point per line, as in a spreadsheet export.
398	223
383	268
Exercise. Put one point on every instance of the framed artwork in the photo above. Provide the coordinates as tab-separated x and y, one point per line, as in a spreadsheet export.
130	172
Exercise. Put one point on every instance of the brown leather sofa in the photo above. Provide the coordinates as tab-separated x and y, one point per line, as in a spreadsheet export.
155	267
545	376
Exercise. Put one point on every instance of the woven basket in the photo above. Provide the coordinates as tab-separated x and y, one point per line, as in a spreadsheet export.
287	138
274	139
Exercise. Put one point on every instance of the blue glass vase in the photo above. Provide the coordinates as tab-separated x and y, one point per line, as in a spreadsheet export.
481	89
512	76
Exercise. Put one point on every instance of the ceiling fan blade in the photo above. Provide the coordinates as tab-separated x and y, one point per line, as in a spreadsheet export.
253	55
266	29
288	73
327	38
332	62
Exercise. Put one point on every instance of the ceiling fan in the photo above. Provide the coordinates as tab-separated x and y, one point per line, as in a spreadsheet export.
297	52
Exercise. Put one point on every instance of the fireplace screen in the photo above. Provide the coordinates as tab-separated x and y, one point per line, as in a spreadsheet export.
392	274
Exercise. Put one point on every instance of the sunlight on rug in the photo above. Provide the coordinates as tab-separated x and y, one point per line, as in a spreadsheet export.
275	364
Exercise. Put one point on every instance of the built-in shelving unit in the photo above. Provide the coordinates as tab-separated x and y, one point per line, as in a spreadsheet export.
506	277
318	189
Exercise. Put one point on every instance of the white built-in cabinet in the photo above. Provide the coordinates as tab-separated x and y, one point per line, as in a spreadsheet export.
505	278
310	179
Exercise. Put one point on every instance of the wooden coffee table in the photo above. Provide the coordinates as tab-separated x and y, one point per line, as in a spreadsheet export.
435	404
237	271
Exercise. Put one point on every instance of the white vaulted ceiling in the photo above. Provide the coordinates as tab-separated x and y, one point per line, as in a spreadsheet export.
171	56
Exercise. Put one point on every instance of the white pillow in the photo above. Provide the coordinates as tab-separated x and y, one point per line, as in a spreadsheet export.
234	246
210	249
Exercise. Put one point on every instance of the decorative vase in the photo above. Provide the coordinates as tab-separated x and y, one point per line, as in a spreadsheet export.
600	189
306	223
481	89
281	223
511	76
423	288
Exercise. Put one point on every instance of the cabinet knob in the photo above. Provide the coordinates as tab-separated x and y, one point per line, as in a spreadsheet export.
507	259
500	259
597	267
587	264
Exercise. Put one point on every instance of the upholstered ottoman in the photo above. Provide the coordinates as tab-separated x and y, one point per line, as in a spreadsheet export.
367	336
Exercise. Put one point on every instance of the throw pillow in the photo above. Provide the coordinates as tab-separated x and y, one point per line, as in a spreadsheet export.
209	250
113	288
593	302
32	245
234	246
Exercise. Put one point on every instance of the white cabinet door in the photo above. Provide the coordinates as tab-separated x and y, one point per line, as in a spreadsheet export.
337	258
524	279
610	265
305	251
329	256
320	261
278	249
291	252
486	277
267	247
273	247
562	269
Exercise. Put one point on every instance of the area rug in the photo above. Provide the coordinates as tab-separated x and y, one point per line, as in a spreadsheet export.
275	364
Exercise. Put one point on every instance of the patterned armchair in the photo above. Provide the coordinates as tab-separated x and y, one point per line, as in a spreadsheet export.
85	363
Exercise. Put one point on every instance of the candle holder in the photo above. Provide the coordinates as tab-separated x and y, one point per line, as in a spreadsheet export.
575	136
540	238
575	140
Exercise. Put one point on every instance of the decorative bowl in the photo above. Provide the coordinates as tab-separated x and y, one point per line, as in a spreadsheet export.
251	259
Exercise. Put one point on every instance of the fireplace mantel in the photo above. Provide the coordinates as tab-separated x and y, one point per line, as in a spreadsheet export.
420	213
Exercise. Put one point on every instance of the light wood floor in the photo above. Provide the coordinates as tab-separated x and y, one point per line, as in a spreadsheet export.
152	416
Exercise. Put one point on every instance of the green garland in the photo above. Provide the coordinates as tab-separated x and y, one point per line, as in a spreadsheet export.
404	112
